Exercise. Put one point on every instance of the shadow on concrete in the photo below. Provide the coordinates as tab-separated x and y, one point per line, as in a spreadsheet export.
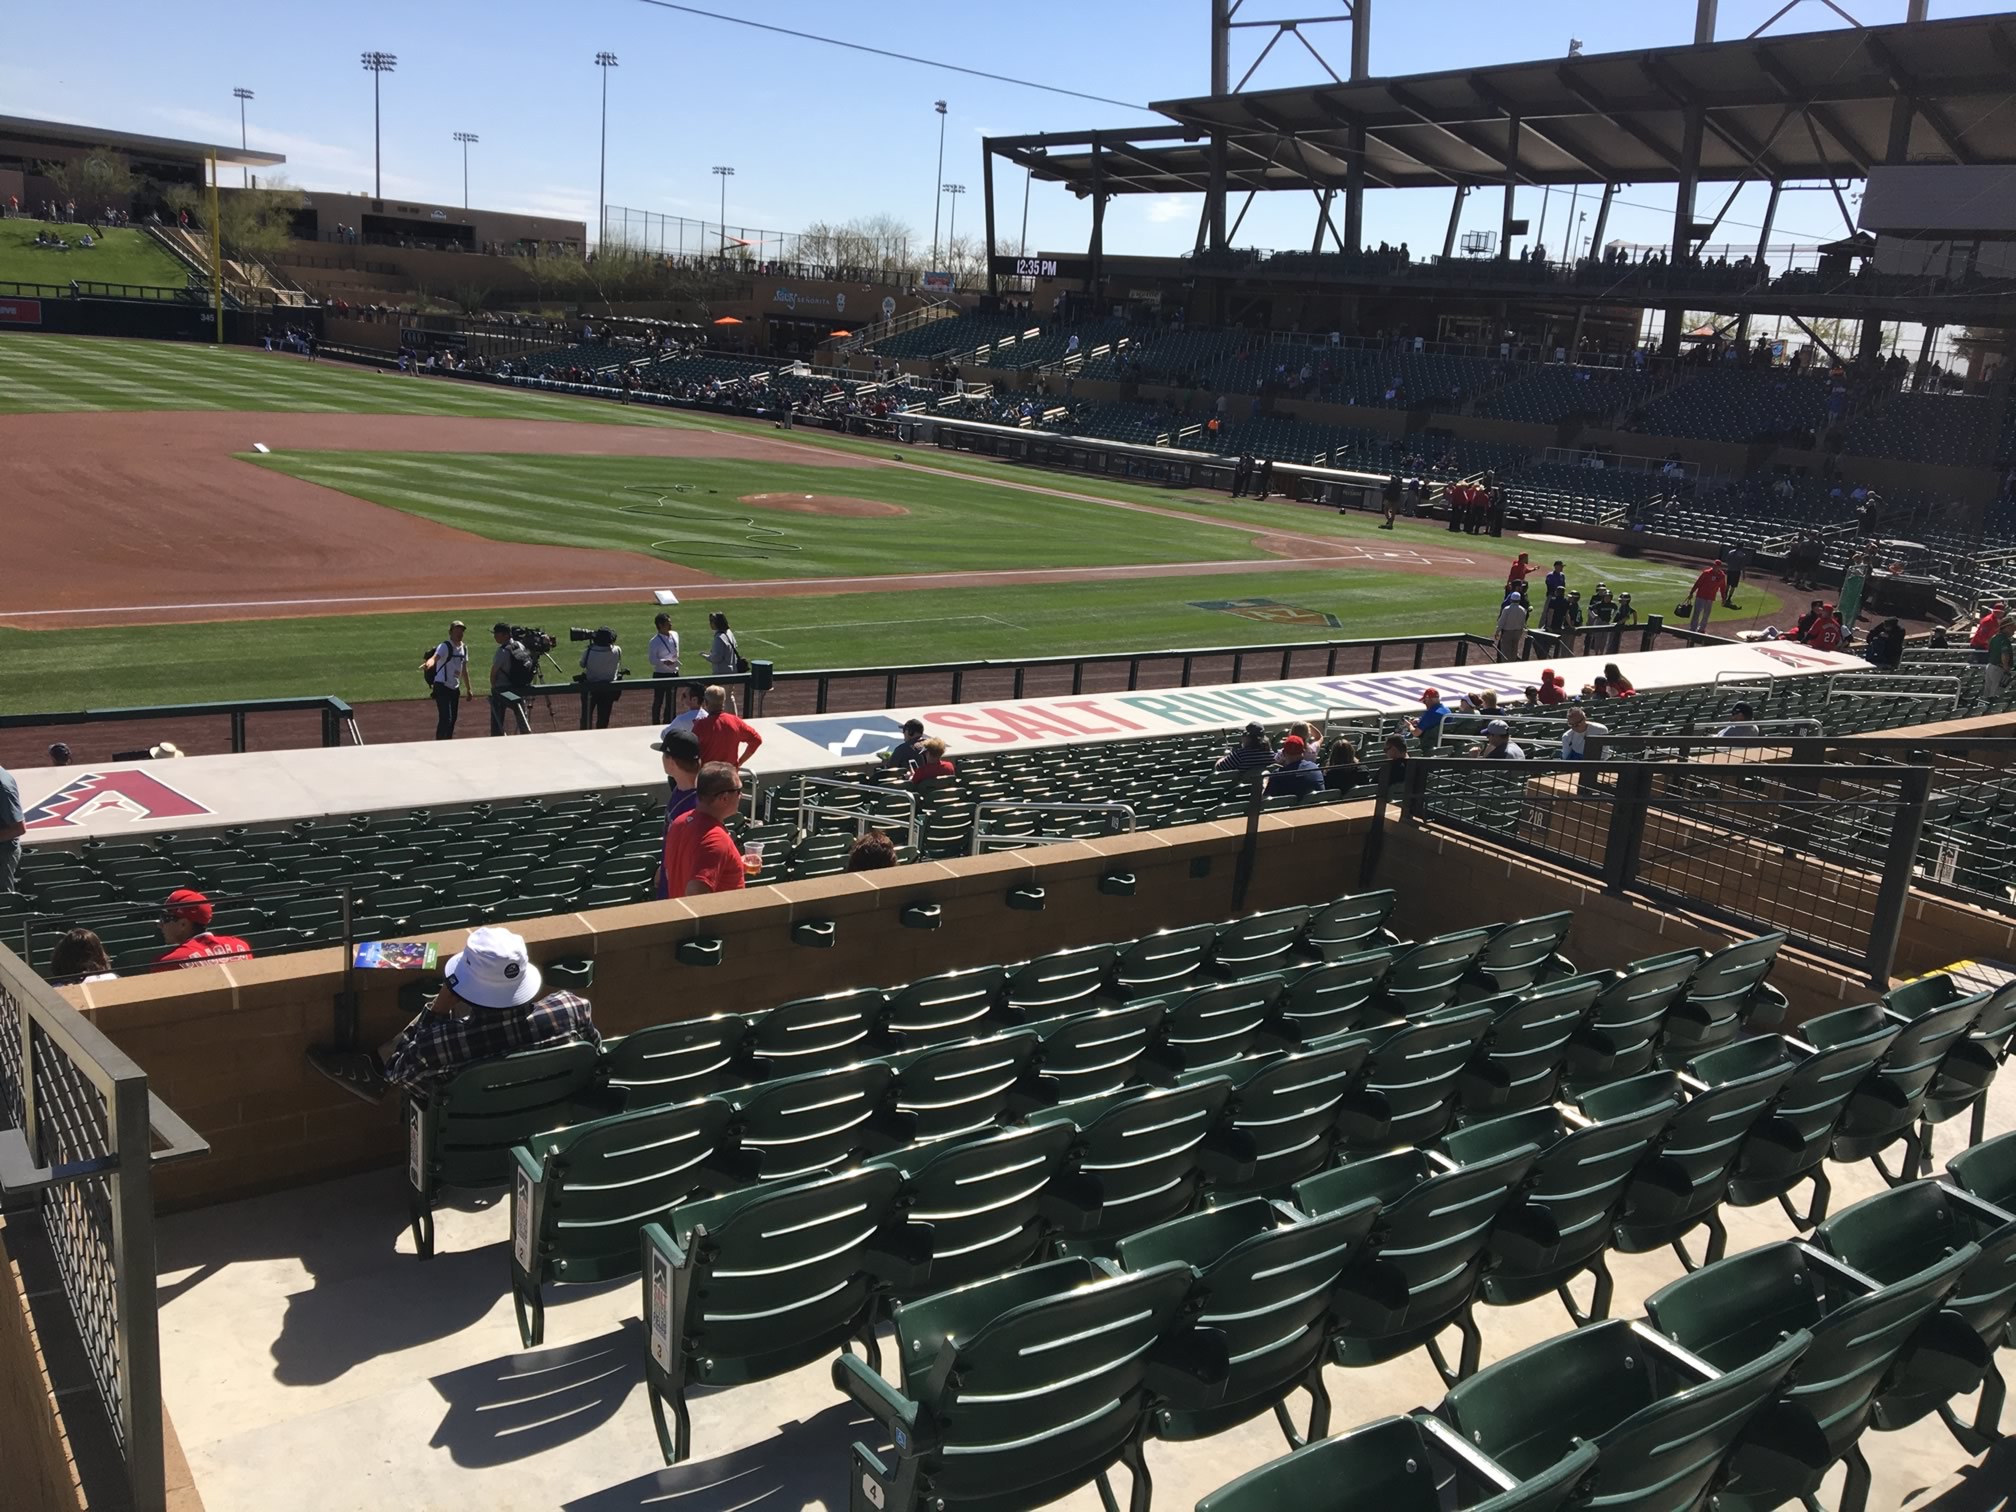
512	1408
804	1465
1989	1486
369	1296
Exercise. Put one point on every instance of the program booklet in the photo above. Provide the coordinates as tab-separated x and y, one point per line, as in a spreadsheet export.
396	955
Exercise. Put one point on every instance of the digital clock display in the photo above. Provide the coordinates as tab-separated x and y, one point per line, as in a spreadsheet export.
1035	267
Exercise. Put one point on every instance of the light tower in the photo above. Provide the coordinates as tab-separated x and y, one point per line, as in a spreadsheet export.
465	138
724	173
377	64
937	202
604	61
242	95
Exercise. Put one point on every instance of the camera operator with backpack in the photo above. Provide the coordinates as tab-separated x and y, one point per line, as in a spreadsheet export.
512	670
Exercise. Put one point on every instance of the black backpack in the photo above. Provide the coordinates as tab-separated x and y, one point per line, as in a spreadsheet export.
522	669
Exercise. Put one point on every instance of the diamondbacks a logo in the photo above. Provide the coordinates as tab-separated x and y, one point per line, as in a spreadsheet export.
130	796
849	734
1271	612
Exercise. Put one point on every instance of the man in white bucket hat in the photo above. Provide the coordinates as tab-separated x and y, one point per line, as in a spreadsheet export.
488	1006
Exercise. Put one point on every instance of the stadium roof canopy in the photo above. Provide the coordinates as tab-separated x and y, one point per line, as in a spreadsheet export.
63	138
1797	106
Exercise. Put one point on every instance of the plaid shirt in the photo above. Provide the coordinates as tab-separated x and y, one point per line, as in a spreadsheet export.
434	1047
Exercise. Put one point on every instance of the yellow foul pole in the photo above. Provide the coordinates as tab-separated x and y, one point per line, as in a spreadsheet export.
216	254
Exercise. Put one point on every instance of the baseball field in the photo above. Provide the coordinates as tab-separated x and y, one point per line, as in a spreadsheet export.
188	523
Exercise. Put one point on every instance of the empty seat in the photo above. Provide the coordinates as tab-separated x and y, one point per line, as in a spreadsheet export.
1426	976
802	1125
1087	1055
1285	1109
1406	1092
817	1034
963	1088
1525	952
747	1286
1139	1155
1726	995
669	1063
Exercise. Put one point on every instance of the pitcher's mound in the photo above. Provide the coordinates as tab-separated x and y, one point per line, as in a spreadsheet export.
823	504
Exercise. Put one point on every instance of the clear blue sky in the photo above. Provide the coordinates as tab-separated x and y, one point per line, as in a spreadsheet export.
813	132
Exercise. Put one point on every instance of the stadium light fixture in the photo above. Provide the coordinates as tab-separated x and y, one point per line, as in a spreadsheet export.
952	226
604	61
465	138
1574	47
378	64
937	201
242	95
724	173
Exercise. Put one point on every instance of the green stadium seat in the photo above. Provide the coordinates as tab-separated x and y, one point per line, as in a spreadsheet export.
1340	995
1663	1426
1728	994
1397	1464
461	1134
1887	1107
1090	1055
1426	976
1518	1063
580	1197
1284	1108
960	1089
1424	1259
1018	1390
792	1129
1621	1035
816	1034
1737	1310
1142	1154
749	1285
673	1063
1406	1091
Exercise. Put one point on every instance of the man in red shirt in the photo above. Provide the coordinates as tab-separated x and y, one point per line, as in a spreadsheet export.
1520	570
1826	632
1707	593
700	856
723	736
185	925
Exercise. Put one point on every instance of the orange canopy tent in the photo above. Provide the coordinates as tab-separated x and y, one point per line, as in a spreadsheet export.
728	320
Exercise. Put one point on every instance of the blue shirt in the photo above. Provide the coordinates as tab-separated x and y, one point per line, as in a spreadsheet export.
1557	582
1303	777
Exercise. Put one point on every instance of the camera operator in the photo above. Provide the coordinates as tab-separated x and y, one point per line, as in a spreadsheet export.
601	664
510	653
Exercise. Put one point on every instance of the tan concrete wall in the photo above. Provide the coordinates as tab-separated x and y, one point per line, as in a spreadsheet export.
36	1471
224	1045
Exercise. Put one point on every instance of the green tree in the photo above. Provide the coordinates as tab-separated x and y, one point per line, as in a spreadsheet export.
100	178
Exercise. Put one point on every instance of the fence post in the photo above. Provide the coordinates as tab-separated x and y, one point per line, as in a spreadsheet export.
1906	833
1649	637
138	1340
1630	808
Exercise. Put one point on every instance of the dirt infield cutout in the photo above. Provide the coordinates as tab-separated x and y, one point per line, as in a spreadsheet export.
838	506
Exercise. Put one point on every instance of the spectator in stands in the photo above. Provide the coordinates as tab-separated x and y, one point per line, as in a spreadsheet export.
1427	725
723	735
1742	724
13	825
1620	685
1885	645
1826	633
679	754
1396	763
1252	752
185	926
724	657
1342	770
1983	633
931	765
1995	672
488	1007
1552	689
601	663
1706	591
1294	772
447	669
908	751
874	851
1512	618
692	707
663	654
700	856
1498	744
79	957
1806	622
59	754
1575	739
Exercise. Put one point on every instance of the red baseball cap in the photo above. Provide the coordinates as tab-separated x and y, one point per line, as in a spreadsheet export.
187	903
1293	746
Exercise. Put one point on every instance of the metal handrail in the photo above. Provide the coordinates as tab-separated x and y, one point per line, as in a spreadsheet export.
860	816
981	838
1752	676
1925	685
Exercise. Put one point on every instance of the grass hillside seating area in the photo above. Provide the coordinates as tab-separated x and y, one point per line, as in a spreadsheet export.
121	255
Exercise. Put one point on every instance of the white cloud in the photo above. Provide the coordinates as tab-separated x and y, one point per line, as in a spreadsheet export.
1163	208
312	164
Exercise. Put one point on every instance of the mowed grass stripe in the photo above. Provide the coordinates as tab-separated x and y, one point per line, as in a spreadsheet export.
635	504
369	657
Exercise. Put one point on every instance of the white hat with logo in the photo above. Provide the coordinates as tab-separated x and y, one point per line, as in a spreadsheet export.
491	970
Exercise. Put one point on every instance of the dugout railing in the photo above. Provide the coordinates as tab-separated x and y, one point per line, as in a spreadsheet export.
338	719
80	1134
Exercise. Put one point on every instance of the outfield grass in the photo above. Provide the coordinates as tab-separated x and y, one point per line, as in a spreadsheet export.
369	657
122	255
48	373
688	510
